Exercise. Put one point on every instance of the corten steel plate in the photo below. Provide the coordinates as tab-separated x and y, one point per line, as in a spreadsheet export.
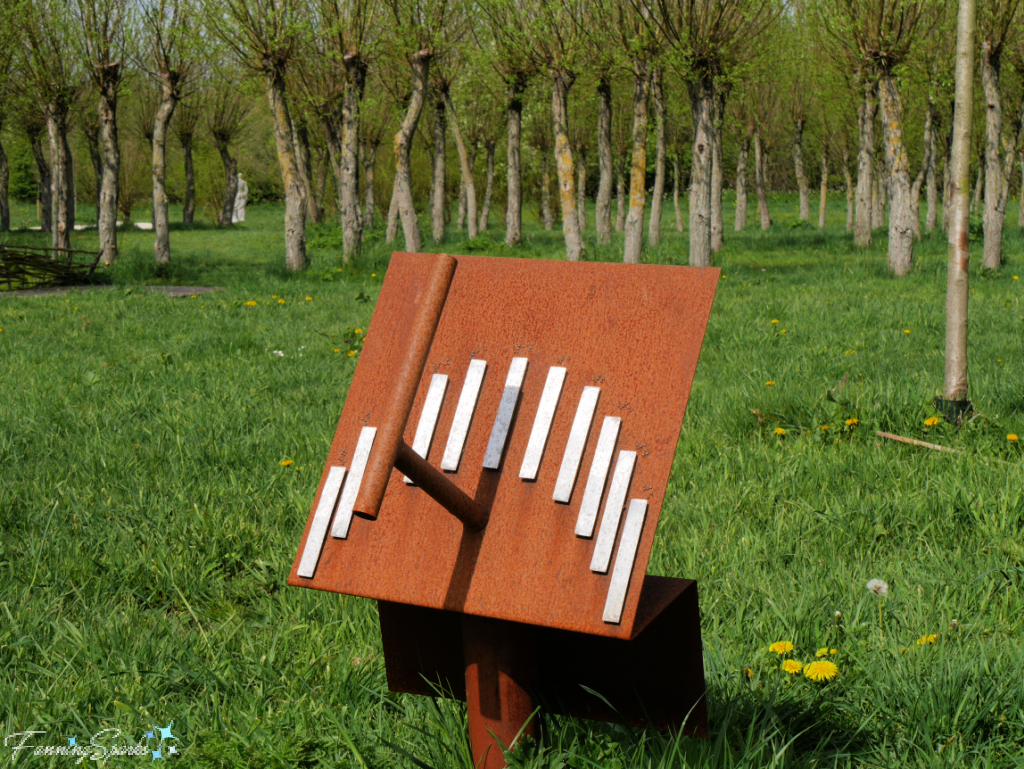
635	331
655	680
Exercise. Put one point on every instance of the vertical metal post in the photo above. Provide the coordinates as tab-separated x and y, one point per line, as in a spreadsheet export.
501	667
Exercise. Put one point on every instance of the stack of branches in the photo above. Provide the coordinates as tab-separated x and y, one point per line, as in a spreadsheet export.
34	267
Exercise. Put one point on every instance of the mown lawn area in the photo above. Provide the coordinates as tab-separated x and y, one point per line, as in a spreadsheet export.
159	456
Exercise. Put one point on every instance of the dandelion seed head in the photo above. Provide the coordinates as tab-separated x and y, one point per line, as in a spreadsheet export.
878	586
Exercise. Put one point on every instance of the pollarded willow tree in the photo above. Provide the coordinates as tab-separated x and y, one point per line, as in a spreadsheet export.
995	20
103	40
550	35
881	34
332	74
418	35
53	73
264	36
169	48
226	112
709	40
6	67
184	126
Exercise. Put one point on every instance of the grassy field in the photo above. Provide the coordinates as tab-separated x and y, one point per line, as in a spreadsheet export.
148	521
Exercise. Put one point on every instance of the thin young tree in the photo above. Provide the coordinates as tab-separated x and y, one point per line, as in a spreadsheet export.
995	22
184	127
226	113
955	383
264	36
6	95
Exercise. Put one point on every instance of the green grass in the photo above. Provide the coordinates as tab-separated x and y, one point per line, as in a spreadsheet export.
147	526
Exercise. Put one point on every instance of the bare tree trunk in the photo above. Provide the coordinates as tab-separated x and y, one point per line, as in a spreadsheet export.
294	190
955	380
877	213
848	181
514	211
823	195
1020	210
45	188
638	167
188	212
392	225
581	187
658	195
403	145
545	192
994	215
332	138
72	197
351	220
161	216
620	194
5	178
741	184
865	166
979	184
564	165
369	155
437	191
300	138
702	100
466	166
675	192
485	211
92	140
801	172
227	206
57	127
717	178
901	227
915	199
947	196
930	176
603	208
760	182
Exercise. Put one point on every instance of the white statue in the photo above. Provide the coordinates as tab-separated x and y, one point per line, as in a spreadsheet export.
241	197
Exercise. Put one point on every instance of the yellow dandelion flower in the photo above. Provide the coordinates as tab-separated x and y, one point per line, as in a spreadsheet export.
373	275
927	639
821	670
781	647
931	421
769	383
849	352
825	427
358	331
748	672
336	349
1010	437
1015	277
792	666
824	651
286	462
906	331
775	320
280	301
250	304
724	277
351	353
274	296
192	297
783	331
309	299
780	430
852	421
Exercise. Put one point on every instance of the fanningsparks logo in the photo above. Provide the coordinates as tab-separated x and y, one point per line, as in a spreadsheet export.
105	744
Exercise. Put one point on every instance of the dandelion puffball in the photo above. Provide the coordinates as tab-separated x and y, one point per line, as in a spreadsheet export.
878	587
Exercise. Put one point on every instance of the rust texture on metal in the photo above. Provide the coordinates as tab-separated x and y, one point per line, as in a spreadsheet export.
635	331
427	303
501	668
655	680
439	488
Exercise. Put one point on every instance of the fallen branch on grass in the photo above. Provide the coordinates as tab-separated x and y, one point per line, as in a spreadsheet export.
914	442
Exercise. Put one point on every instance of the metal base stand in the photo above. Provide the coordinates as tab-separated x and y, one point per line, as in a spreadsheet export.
501	665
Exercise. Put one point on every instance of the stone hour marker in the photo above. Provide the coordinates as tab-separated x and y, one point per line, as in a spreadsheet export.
542	423
613	511
355	477
506	408
576	444
463	415
598	475
428	417
322	517
628	545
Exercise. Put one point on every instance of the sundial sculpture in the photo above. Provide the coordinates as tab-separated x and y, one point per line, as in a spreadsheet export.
495	483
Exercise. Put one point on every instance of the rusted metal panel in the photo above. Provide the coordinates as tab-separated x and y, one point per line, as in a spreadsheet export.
656	679
635	331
